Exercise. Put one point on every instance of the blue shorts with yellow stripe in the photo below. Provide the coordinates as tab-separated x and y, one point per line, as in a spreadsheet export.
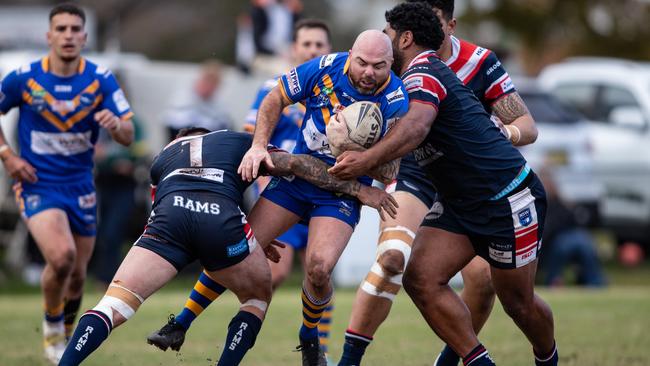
307	201
77	200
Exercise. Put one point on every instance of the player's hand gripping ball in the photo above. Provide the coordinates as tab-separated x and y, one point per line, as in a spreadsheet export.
357	127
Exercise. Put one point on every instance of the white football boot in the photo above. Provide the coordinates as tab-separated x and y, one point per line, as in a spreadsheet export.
53	341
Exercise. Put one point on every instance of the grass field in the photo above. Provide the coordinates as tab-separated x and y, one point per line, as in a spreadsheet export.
593	327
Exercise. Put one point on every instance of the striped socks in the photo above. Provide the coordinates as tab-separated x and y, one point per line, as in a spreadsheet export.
324	326
312	311
550	359
205	291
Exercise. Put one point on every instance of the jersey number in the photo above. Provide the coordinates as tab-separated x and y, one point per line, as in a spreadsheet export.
196	151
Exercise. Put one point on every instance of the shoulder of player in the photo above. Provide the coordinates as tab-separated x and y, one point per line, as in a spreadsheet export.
96	70
333	60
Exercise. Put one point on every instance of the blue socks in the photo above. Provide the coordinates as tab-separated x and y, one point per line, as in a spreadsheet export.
93	328
353	348
242	332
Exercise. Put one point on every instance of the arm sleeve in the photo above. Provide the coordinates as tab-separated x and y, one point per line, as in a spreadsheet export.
496	78
425	88
114	98
298	83
10	95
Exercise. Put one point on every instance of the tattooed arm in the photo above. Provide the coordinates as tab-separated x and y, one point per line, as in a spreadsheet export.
315	172
517	120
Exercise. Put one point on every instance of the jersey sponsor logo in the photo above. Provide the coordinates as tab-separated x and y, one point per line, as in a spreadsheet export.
213	174
120	101
413	82
507	85
237	249
327	60
316	140
60	143
395	96
63	106
87	200
348	97
500	256
493	67
294	82
427	154
63	88
38	100
197	206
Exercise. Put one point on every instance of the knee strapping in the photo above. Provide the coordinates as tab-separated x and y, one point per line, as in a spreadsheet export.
120	299
259	304
378	282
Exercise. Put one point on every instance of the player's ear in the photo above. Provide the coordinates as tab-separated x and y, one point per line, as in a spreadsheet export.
452	26
406	39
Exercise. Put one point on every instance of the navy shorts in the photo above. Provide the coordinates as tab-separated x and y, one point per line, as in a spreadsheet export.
189	225
77	200
507	232
307	201
413	180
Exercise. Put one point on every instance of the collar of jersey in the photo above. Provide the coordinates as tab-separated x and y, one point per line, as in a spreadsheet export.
45	64
421	56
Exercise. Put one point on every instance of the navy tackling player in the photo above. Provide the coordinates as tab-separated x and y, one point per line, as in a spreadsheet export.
490	203
311	39
481	71
198	193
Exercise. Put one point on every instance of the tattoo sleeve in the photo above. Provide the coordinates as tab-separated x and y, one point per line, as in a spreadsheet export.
509	108
385	173
312	170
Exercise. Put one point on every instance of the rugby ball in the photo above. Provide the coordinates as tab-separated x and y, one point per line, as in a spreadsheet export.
364	121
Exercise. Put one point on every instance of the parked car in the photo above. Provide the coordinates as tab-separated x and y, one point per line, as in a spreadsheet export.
562	147
615	95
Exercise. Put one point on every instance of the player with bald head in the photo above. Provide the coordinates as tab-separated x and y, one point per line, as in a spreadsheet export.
325	85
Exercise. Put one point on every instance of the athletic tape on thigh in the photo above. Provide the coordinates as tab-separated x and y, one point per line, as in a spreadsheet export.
120	299
377	282
262	305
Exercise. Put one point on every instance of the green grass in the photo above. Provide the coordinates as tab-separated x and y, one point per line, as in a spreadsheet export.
593	327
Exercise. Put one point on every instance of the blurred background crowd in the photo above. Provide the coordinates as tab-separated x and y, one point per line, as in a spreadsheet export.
581	66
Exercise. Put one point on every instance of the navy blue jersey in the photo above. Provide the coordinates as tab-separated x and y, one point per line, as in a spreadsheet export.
480	69
206	162
465	154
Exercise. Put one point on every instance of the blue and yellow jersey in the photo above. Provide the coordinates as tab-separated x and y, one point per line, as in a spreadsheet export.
323	86
56	129
286	131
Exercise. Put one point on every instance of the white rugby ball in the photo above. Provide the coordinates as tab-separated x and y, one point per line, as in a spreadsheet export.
364	121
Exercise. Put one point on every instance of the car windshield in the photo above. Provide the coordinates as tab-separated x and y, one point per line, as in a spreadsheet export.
546	108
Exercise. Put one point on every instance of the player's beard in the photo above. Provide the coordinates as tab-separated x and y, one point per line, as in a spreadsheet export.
398	60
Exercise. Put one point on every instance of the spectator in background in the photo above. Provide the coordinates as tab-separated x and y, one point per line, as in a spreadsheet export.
116	184
200	108
565	242
272	28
